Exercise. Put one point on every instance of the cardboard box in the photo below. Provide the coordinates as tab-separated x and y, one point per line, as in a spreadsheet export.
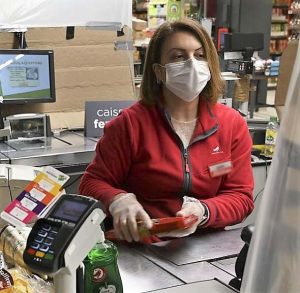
139	24
287	61
87	68
138	35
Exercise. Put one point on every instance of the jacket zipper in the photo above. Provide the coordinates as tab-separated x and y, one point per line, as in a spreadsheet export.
186	175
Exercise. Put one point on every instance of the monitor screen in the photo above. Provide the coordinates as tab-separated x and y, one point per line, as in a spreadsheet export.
27	76
70	210
238	42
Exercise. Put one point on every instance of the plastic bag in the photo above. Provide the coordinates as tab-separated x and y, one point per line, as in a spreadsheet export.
273	261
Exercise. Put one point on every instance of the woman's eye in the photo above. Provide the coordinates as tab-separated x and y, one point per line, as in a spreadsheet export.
179	56
200	57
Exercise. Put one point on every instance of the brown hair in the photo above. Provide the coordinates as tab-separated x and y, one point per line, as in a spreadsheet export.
151	90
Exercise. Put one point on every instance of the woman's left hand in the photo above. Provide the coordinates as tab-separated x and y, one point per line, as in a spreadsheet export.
190	206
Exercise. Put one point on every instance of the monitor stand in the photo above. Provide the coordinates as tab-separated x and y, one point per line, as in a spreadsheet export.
5	130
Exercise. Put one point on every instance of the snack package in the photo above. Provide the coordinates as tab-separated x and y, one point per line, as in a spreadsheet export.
26	283
20	282
167	224
12	244
6	281
160	226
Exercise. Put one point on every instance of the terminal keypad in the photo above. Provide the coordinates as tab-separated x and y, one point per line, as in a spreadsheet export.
42	245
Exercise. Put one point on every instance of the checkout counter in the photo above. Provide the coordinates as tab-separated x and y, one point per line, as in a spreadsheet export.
69	152
202	262
199	263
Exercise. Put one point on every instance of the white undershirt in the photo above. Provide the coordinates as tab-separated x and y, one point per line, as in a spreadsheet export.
184	130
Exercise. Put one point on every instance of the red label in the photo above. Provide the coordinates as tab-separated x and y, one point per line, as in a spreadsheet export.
99	274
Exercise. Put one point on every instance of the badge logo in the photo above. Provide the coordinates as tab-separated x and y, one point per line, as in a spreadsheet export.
99	275
216	150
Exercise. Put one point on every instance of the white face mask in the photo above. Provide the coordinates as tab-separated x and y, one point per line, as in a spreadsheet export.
188	78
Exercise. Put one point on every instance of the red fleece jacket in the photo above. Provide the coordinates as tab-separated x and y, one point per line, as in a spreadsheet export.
141	153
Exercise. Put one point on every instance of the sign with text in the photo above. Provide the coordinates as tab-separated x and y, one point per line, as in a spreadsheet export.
98	113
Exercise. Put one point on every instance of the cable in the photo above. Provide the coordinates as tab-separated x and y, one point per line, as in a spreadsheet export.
8	179
10	194
266	165
259	193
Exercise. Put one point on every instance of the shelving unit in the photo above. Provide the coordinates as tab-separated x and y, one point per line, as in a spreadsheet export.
294	20
285	27
279	34
279	27
154	13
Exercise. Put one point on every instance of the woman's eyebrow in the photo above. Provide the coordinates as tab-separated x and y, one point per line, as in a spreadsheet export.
181	49
176	49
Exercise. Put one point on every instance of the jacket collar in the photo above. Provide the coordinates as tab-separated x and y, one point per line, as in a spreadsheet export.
207	121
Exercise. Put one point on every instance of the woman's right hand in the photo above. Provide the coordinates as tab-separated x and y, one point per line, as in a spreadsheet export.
126	211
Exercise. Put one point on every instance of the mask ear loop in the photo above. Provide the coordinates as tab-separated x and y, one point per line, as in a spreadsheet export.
158	81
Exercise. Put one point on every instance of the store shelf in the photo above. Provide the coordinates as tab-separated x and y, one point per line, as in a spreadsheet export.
138	79
279	36
294	11
141	43
272	86
280	6
294	27
276	53
274	20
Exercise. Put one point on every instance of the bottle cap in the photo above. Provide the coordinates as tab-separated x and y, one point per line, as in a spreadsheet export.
273	119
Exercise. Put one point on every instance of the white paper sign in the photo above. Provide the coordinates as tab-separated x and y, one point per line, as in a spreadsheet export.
57	13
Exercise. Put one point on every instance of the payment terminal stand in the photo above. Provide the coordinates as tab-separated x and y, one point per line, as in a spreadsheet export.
58	243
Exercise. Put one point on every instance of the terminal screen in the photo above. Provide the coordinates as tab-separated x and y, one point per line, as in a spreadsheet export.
70	210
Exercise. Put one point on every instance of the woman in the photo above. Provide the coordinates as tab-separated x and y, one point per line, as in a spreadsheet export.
176	152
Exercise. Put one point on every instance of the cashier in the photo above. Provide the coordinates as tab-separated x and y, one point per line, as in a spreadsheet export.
176	152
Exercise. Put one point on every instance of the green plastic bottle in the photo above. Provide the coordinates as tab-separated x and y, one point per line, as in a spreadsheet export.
101	269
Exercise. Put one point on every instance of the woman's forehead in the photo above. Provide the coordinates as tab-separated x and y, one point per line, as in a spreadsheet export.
182	41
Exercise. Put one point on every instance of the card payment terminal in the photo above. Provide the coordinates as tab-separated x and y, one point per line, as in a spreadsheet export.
58	243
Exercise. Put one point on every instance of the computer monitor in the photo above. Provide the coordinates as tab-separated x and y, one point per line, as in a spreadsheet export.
239	42
26	76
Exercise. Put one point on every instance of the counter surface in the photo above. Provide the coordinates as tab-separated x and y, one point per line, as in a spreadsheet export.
57	150
71	148
197	259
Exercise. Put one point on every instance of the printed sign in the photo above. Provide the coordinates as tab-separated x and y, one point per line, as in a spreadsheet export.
35	198
98	113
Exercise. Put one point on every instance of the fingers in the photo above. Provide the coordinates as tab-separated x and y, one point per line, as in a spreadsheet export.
187	210
132	229
126	227
191	209
144	217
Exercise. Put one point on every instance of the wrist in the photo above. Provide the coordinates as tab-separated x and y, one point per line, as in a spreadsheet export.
205	217
203	206
119	198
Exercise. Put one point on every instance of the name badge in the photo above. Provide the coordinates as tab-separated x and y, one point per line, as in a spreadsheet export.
220	169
